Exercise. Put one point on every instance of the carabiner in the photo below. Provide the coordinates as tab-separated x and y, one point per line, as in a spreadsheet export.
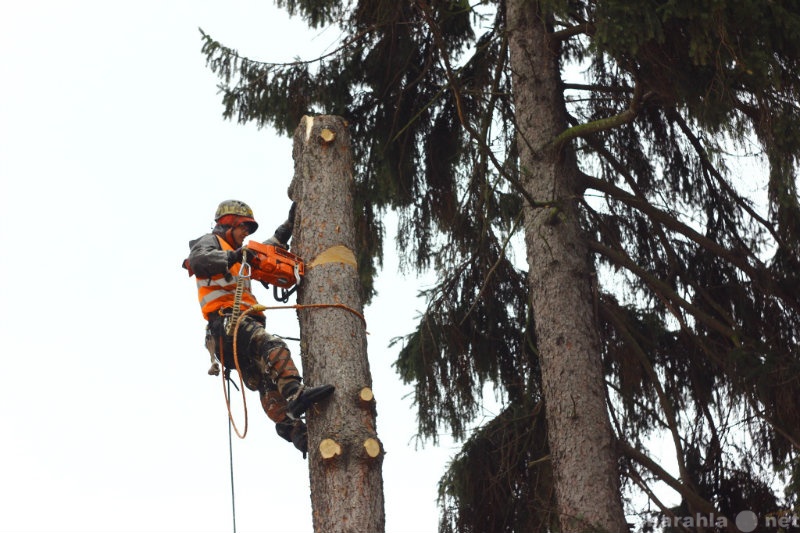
244	268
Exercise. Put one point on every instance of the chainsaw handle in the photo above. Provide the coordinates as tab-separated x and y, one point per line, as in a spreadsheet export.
285	293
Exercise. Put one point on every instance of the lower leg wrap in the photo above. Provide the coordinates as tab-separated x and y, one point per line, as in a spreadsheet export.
281	366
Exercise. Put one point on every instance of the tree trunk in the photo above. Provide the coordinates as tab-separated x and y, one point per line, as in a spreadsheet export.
580	436
345	457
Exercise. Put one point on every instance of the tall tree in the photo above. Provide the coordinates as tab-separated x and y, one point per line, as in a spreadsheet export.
345	455
608	134
560	280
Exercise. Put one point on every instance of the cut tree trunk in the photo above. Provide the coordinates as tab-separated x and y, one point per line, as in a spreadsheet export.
346	476
560	278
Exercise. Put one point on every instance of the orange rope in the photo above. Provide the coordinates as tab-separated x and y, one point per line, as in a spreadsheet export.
225	391
238	371
316	306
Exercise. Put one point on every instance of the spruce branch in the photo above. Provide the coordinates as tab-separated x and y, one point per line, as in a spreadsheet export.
662	289
694	499
666	242
212	47
426	11
642	484
624	328
652	413
586	28
603	124
676	117
500	257
756	273
597	88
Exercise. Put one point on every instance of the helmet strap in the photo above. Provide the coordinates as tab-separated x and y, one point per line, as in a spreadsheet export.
229	236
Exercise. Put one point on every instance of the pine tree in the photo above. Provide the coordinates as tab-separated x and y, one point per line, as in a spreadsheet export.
650	253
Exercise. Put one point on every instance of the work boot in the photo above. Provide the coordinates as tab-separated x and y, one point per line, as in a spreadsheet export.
300	437
296	432
300	398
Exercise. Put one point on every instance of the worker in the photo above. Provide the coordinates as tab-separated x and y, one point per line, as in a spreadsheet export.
215	260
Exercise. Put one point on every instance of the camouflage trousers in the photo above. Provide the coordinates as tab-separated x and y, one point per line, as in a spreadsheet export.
264	359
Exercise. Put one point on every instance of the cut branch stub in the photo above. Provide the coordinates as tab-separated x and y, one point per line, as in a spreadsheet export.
329	449
327	135
372	447
366	396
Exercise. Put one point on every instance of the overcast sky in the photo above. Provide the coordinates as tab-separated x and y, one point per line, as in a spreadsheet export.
113	155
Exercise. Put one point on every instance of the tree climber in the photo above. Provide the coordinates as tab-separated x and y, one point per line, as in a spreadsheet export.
265	361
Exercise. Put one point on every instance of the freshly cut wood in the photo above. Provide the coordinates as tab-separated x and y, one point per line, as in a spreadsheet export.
327	135
372	447
366	395
329	449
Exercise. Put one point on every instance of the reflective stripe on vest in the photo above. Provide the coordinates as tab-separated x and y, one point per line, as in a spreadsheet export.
216	292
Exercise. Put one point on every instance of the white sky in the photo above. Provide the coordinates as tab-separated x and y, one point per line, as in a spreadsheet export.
113	154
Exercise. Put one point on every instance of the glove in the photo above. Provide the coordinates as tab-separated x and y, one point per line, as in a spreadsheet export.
284	231
235	256
275	242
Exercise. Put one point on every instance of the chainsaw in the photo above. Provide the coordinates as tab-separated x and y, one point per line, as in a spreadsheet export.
272	265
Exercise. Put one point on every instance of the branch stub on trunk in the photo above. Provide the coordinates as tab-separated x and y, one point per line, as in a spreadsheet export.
365	395
327	135
329	449
372	447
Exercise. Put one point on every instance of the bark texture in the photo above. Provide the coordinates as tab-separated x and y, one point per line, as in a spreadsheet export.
580	437
346	487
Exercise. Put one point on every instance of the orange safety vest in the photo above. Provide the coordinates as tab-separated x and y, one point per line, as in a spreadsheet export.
216	292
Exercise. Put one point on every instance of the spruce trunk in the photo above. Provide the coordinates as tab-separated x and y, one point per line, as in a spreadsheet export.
345	456
561	282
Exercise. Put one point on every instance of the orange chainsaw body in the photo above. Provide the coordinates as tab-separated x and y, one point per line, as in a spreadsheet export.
274	265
